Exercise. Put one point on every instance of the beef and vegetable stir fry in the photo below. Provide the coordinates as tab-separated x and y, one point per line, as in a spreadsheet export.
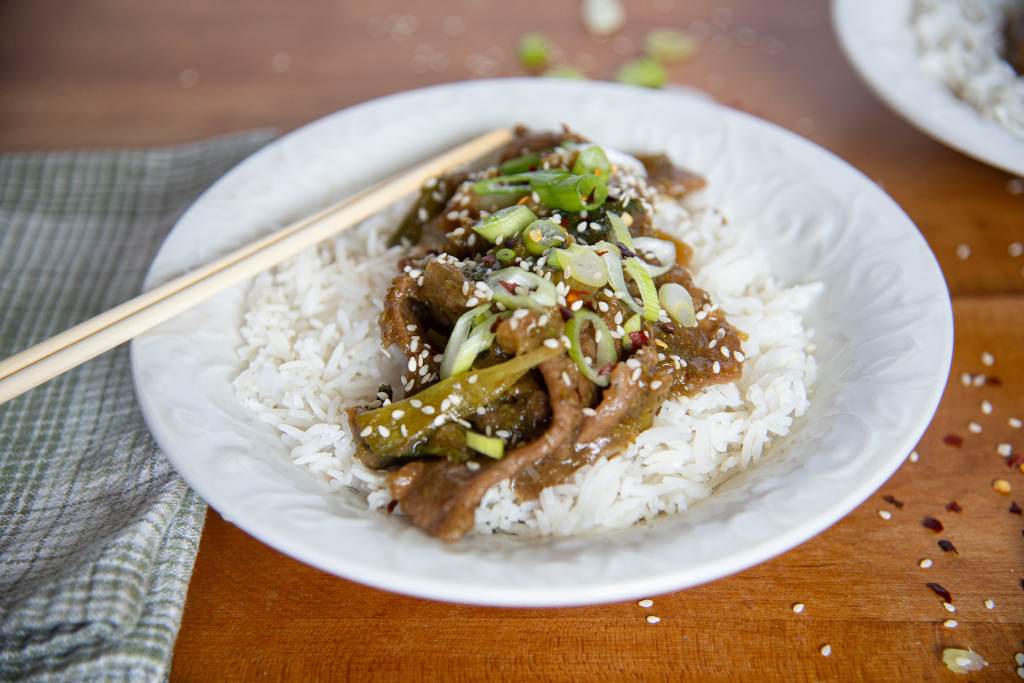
544	321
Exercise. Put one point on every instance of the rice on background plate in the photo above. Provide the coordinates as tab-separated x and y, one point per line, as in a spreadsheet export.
313	349
959	43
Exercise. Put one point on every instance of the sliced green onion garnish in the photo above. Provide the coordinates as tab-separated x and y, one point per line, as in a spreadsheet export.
572	192
505	223
470	336
678	304
663	251
592	159
516	184
580	263
522	164
620	230
648	292
505	255
605	345
613	264
643	72
490	446
540	236
669	45
534	51
564	71
517	288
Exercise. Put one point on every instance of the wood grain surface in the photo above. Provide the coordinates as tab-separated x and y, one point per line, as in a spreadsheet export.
118	73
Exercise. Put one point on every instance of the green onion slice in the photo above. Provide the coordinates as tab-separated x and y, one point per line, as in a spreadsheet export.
678	304
663	251
505	223
490	446
606	353
620	230
581	264
522	164
514	287
613	263
534	51
592	159
572	192
470	336
542	235
505	255
644	282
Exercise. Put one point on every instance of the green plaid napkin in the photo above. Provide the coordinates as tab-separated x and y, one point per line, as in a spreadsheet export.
98	535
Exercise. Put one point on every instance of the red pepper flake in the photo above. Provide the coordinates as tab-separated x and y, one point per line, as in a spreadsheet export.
573	296
932	524
1015	509
638	339
954	506
392	505
892	500
1014	460
511	287
949	439
566	313
606	369
994	381
668	328
948	547
941	592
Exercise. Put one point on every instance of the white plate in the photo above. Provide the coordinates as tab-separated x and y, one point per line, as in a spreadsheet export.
878	40
884	332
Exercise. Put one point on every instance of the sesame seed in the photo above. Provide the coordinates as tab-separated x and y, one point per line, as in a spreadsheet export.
397	414
602	306
472	301
576	305
987	358
914	457
383	431
412	365
551	343
965	379
428	410
472	465
826	650
949	607
636	375
949	623
925	563
716	367
439	420
978	380
651	619
366	432
472	379
656	384
410	328
974	427
1014	422
589	412
885	514
503	433
646	603
963	251
798	607
1001	486
725	351
1004	449
405	431
1015	249
713	343
416	403
986	407
1019	658
632	363
566	380
990	603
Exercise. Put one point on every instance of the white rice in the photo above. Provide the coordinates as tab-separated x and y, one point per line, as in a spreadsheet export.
313	349
960	43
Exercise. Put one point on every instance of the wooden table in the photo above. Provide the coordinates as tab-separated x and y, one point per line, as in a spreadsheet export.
110	73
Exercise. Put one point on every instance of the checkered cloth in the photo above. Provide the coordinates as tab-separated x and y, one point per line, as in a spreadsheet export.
98	535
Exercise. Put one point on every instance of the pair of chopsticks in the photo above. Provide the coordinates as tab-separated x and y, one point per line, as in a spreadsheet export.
88	339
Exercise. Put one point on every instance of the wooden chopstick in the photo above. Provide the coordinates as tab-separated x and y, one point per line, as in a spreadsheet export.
88	339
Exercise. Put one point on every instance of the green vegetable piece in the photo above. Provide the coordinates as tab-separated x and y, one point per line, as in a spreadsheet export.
507	222
534	51
643	72
540	236
565	71
590	368
490	446
527	162
620	230
572	192
580	263
592	160
505	255
381	440
667	45
648	292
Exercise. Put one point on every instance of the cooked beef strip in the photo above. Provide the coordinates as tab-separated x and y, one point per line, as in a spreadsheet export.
442	293
402	324
441	496
669	179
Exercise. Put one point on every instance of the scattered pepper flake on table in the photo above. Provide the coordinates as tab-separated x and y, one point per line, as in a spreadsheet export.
939	590
948	547
954	506
953	440
892	500
932	524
